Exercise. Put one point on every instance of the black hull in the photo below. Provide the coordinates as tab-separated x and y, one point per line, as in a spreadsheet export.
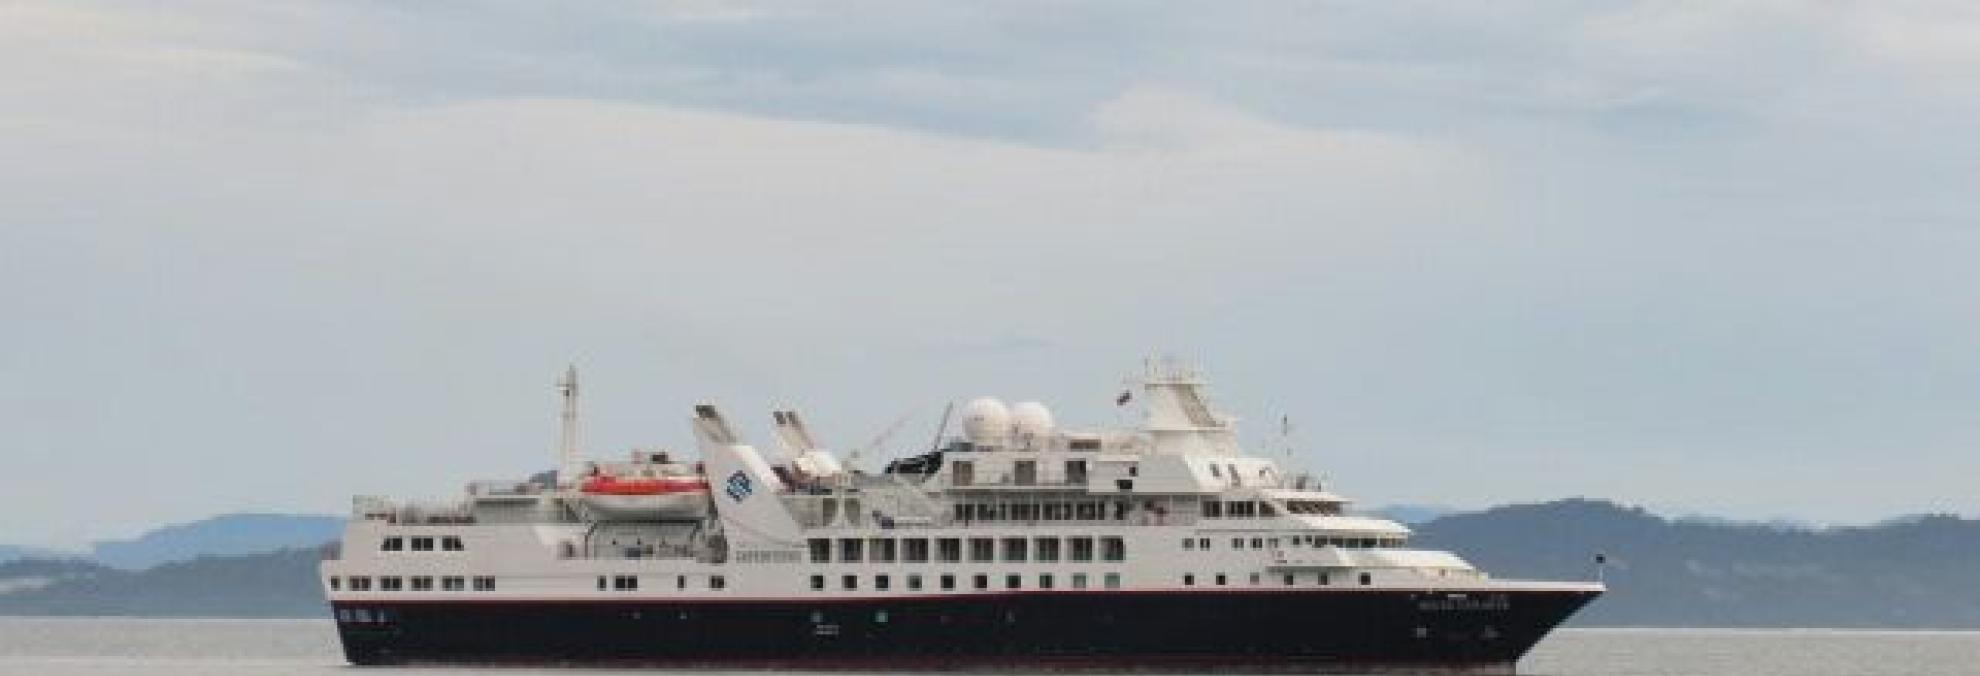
1253	631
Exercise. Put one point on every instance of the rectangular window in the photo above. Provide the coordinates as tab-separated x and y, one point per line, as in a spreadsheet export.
982	549
1258	543
680	582
1045	581
718	582
916	550
1013	581
882	583
1213	509
625	582
1237	543
821	550
601	583
948	550
1324	579
1113	580
818	583
849	582
453	583
336	583
980	581
1079	581
1087	511
1076	472
1366	579
1081	549
1289	579
1026	471
484	583
394	544
422	544
1014	550
360	583
850	550
1046	550
1254	578
1221	580
452	543
948	582
422	583
1113	549
962	473
391	584
1189	543
882	550
1189	580
914	583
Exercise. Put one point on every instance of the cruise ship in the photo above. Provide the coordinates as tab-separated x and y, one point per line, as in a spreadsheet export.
1014	545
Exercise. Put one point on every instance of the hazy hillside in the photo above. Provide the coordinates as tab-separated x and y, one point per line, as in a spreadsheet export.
1913	572
227	535
275	584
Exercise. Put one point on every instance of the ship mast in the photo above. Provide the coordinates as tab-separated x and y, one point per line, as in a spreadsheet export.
567	442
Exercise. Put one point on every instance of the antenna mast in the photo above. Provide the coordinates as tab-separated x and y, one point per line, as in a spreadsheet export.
567	443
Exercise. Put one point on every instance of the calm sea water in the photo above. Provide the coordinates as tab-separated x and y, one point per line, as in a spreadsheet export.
106	647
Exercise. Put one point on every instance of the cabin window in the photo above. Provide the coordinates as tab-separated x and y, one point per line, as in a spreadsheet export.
1087	511
949	550
948	582
1258	543
1189	580
392	544
1047	550
1237	543
1254	578
680	582
1113	549
1289	579
916	550
1189	543
1079	581
821	550
1213	509
1367	579
422	544
914	582
1076	472
484	583
1324	581
1113	580
453	583
422	583
1221	580
1266	509
883	550
849	582
1081	549
962	472
882	583
601	583
1218	473
850	550
1013	581
1045	581
1203	543
336	583
360	583
625	582
982	549
452	543
718	582
1014	550
391	584
1026	471
980	581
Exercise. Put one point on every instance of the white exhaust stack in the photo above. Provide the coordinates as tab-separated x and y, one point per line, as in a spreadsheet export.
743	486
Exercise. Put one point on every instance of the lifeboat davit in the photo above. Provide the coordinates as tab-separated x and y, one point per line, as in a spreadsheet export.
646	498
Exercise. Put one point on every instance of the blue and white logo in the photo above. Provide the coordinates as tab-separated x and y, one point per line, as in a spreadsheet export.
739	486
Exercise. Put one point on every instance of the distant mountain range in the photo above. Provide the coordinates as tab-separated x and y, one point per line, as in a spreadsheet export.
227	535
1906	573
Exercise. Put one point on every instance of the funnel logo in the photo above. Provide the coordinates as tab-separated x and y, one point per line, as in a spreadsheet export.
738	486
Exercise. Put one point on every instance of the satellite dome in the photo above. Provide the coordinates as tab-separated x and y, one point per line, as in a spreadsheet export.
1031	420
985	419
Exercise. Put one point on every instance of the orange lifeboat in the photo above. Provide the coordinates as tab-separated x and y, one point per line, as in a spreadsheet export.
611	485
645	498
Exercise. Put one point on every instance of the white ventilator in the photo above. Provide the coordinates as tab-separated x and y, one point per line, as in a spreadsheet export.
800	449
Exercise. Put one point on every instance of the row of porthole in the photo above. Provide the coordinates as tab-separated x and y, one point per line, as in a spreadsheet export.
1323	579
978	582
420	583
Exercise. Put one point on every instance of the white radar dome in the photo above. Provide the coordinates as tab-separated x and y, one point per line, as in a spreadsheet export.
1031	420
985	419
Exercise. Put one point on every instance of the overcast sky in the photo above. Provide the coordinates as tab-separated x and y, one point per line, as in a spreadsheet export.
1711	257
